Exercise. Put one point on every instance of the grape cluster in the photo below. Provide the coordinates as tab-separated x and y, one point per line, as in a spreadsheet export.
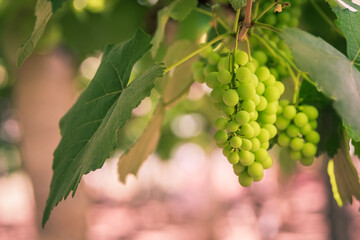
297	131
247	94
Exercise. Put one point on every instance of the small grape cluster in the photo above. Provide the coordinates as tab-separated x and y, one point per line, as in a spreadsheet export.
297	130
247	94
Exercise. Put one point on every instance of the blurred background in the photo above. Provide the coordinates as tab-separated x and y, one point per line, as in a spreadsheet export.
186	189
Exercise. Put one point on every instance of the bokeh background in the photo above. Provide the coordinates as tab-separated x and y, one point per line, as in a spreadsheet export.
186	189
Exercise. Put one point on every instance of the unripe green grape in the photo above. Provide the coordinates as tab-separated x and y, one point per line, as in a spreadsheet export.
284	17
199	75
221	123
274	72
305	129
296	144
313	137
231	97
279	110
300	119
267	118
246	158
220	137
280	86
236	142
311	112
244	179
262	104
217	94
261	57
271	107
223	63
270	81
255	99
243	74
284	102
289	112
246	90
309	149
265	145
313	124
292	131
271	93
263	73
295	12
272	129
227	150
251	67
267	163
247	130
283	140
254	80
281	70
246	144
224	76
233	158
211	80
255	144
256	170
242	117
227	110
258	178
270	19
282	123
222	145
254	116
209	69
213	58
204	53
307	161
241	58
232	126
238	168
248	106
264	135
256	127
261	155
196	66
217	106
260	88
295	155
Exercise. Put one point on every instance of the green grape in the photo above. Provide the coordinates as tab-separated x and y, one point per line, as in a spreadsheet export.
251	67
248	106
300	119
211	80
283	103
307	161
232	126
196	66
271	93
295	155
223	63
296	144
254	116
231	98
267	118
246	90
261	155
280	86
282	123
279	110
227	110
246	157
292	131
256	127
295	12
262	104
238	168
313	124
199	75
222	145
227	150
236	142
305	129
217	94
224	76
263	73
233	158
274	72
209	69
264	135
313	137
284	17
217	106
271	107
254	80
242	117
204	53
270	81
243	74
244	179
272	129
220	137
256	170
221	123
246	144
289	112
267	163
260	88
258	178
265	145
281	70
309	149
283	140
255	99
311	112
213	58
247	130
255	144
241	58
261	57
270	19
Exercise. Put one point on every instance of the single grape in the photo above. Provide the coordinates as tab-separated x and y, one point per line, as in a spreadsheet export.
309	149
220	137
256	170
233	158
246	144
246	157
255	143
267	118
247	130
238	168
292	131
280	86
204	53
251	67
260	88
282	123
271	93
242	117
222	145
284	102
295	155
246	90
199	75
264	135
271	107
270	81
209	69
267	163
221	123
263	73
313	124
217	94
283	140
289	112
213	58
279	110
231	98
232	126
227	150
272	129
224	76
248	106
254	116
211	80
311	112
300	119
313	137
255	99
223	63
196	66
262	104
265	145
256	127
227	110
244	179
307	161
243	74
296	144
261	155
241	58
306	129
236	142
258	178
261	57
270	19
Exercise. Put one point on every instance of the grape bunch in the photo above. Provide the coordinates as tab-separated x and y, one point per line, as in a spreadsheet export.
297	131
247	94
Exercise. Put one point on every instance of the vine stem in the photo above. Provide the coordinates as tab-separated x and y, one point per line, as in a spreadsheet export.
247	21
218	19
236	23
265	11
184	59
267	26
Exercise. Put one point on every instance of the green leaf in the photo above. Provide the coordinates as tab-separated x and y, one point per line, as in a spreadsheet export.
237	4
56	4
349	23
178	10
333	73
131	161
347	179
43	13
356	145
344	4
90	127
353	134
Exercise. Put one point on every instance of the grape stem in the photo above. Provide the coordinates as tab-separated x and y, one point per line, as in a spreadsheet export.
268	27
247	21
218	19
268	8
184	59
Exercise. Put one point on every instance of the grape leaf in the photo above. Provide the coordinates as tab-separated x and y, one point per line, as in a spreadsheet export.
178	10
346	175
56	4
349	23
344	4
43	13
89	128
237	4
131	161
333	73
